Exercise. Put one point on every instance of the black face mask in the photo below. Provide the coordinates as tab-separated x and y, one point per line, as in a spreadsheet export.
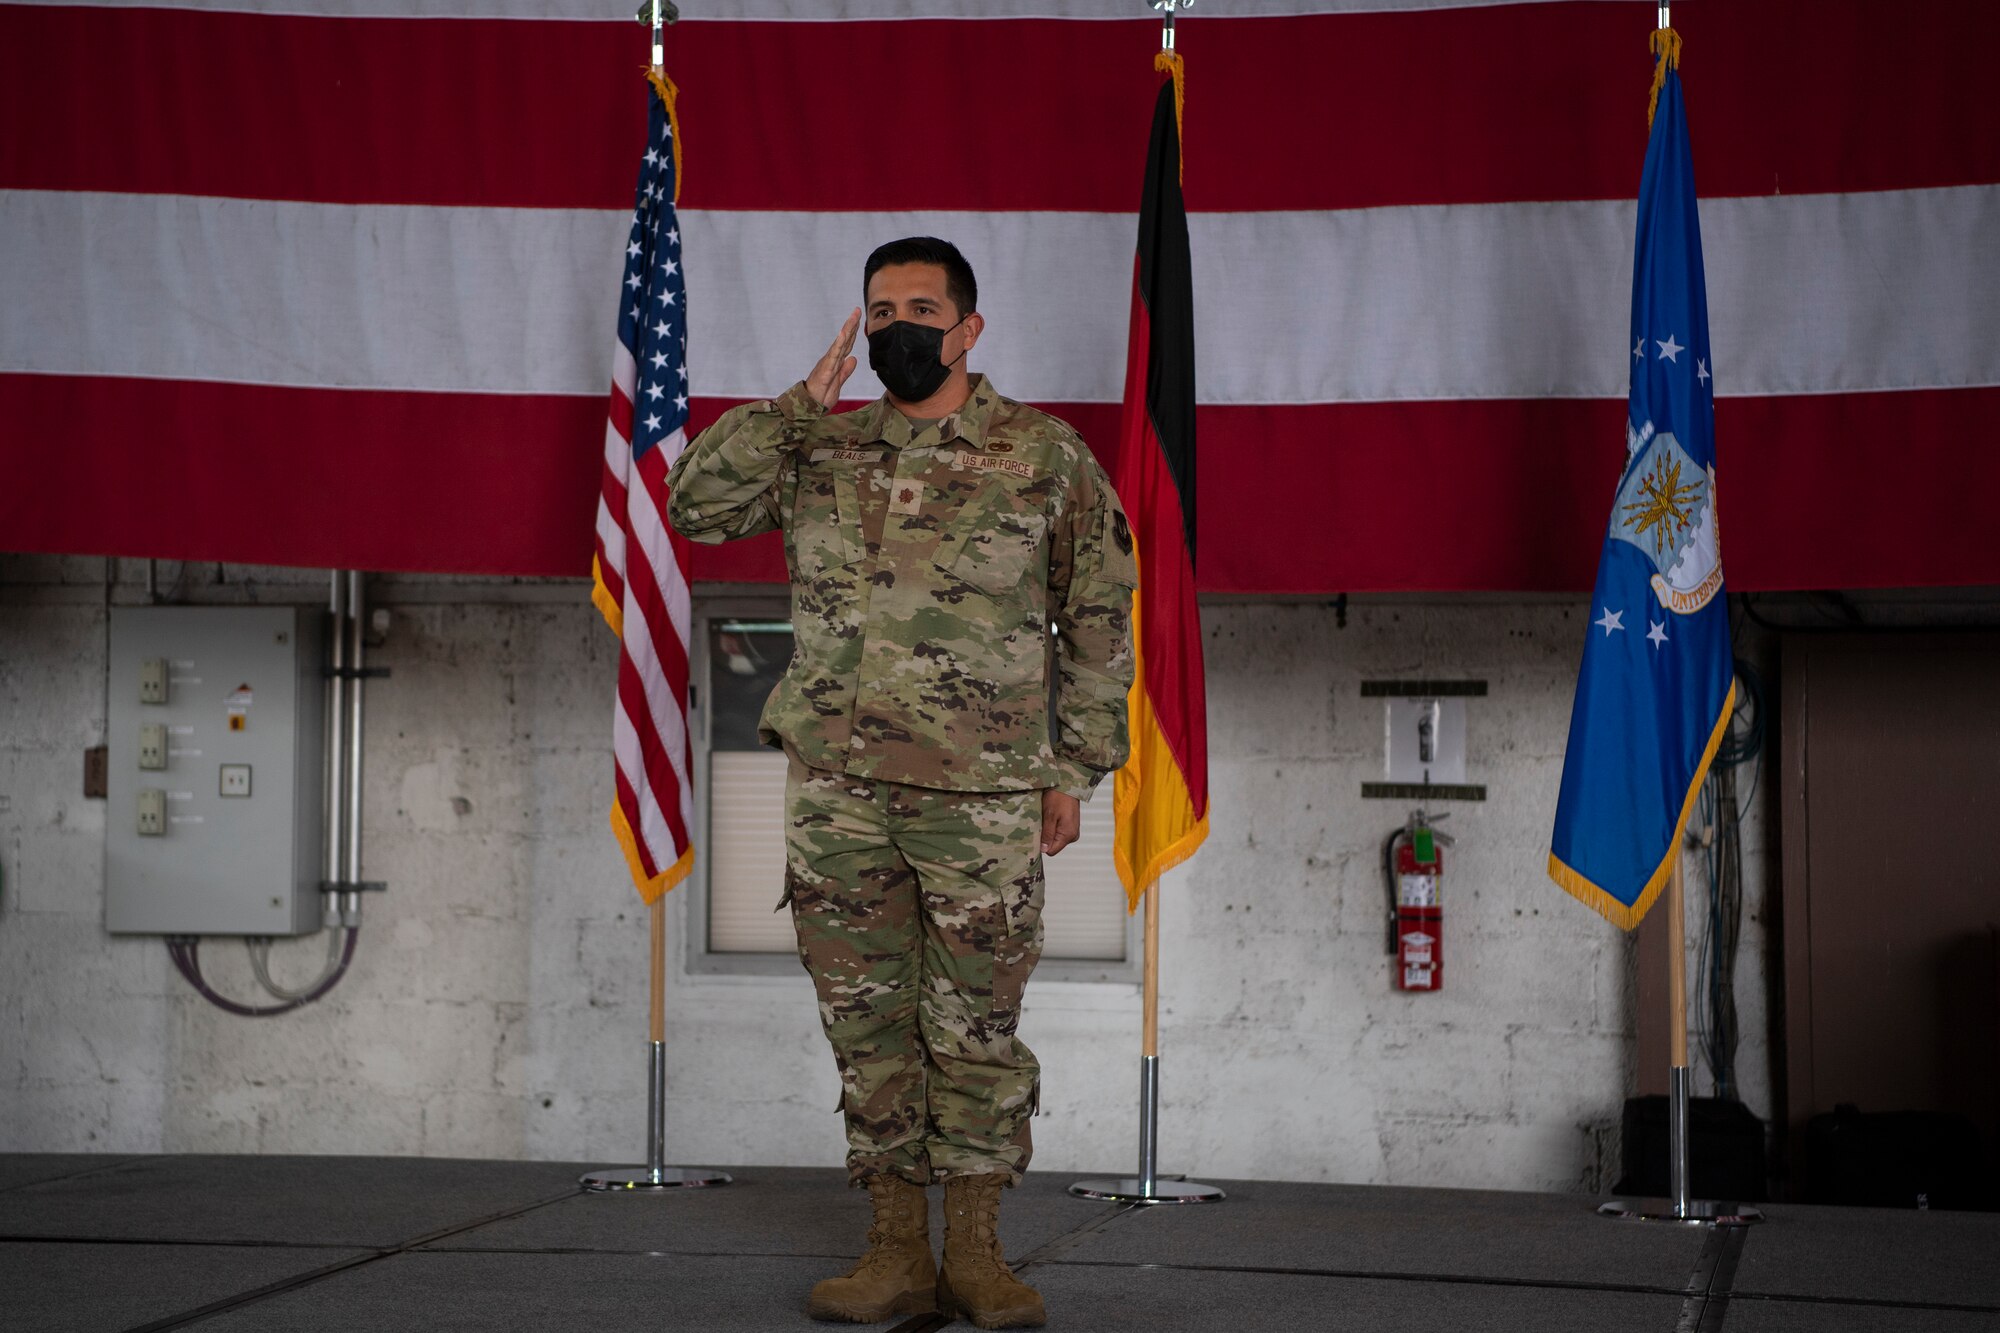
904	356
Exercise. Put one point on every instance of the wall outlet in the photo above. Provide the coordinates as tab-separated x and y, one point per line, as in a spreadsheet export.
152	812
153	680
152	745
235	780
96	773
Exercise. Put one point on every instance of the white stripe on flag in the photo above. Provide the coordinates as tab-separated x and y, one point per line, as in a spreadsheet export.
487	300
1808	294
624	371
617	453
613	536
649	526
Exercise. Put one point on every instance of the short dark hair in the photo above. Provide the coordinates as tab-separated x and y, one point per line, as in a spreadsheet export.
959	284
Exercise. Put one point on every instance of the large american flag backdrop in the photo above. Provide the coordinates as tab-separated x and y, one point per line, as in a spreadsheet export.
331	286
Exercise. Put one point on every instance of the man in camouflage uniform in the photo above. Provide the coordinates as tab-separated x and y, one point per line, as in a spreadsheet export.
939	739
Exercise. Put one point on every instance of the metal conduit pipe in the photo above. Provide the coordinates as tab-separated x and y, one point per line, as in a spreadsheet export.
336	740
341	910
260	966
350	913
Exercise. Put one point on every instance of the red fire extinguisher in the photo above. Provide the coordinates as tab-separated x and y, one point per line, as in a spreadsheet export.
1413	859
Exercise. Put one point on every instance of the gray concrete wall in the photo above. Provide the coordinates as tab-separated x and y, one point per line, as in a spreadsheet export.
497	1005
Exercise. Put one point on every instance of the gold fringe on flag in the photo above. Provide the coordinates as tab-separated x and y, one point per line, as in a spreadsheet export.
1666	47
607	605
649	889
1617	913
1153	815
1169	62
664	86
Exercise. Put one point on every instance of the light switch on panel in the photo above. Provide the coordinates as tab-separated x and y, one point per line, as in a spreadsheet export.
153	745
152	812
235	779
153	680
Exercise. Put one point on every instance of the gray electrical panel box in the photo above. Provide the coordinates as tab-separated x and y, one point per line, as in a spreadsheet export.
216	814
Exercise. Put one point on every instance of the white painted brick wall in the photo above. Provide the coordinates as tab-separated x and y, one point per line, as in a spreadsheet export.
497	1005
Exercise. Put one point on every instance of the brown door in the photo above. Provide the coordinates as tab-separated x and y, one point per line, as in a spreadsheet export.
1891	850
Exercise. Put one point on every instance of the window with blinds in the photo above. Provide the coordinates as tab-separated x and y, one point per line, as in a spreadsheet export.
1084	914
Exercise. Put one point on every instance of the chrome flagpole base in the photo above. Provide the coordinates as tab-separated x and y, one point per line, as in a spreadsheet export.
1700	1212
1147	1186
1126	1189
1680	1208
655	1175
650	1178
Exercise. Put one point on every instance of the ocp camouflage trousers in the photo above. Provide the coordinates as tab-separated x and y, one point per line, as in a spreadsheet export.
919	917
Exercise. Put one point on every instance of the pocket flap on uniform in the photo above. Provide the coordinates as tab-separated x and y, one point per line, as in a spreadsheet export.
826	522
997	546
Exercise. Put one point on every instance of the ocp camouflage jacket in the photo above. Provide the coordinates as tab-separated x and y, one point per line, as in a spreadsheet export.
927	566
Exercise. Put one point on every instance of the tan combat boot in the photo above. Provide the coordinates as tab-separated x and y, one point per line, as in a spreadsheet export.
896	1275
976	1281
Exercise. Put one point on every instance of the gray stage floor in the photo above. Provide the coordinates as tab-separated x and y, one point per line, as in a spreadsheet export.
316	1244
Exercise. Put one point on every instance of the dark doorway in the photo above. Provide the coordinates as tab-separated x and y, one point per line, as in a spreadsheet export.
1890	790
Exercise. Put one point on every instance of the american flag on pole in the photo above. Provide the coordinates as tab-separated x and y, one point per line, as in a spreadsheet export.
641	564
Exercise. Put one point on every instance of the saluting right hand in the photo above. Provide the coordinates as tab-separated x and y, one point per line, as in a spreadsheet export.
833	369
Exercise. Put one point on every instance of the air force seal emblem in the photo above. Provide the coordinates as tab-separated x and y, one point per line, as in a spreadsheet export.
1666	508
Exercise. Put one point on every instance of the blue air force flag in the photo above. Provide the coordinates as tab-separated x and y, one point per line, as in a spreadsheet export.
1654	695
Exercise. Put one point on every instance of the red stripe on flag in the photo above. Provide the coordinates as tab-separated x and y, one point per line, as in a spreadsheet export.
613	491
611	570
1344	497
1509	495
628	801
1173	676
621	413
668	661
1473	105
334	478
663	786
1170	647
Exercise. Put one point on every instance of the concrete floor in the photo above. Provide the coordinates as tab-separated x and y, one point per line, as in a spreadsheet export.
354	1243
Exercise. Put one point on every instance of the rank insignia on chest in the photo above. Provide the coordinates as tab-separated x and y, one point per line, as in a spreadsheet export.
906	497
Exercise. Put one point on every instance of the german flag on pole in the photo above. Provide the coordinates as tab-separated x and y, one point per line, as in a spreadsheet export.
1161	795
